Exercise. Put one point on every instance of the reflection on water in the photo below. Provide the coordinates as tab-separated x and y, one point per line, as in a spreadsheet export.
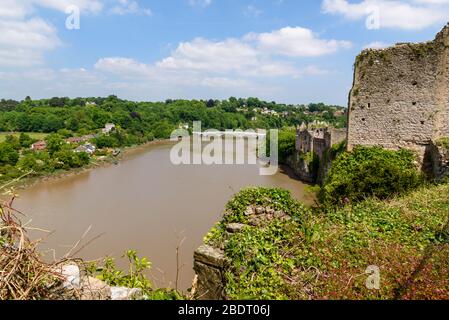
143	203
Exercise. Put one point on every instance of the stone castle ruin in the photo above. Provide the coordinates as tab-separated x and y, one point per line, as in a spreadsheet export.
400	99
318	138
314	141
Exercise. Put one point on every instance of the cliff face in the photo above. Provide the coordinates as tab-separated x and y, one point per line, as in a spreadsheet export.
400	97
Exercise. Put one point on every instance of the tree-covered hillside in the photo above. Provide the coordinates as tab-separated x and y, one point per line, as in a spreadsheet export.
82	115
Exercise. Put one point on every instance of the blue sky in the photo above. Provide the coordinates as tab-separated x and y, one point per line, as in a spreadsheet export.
284	50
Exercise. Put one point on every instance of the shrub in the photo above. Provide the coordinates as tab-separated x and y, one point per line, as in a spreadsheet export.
66	159
287	144
25	140
105	141
370	171
135	277
8	155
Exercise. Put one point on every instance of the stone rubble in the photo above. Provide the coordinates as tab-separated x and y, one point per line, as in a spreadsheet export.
76	285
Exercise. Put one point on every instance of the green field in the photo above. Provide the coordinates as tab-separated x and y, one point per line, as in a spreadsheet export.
34	135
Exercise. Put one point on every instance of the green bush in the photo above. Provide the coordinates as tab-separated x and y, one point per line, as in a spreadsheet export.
25	140
67	159
287	144
370	172
8	155
105	141
135	277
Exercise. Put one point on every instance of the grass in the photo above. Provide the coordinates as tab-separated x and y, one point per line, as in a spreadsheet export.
34	135
443	142
325	254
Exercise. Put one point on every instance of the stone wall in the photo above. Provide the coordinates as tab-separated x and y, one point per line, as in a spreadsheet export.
335	136
400	96
209	266
301	167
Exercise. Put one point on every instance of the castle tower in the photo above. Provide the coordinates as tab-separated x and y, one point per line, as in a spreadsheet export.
400	95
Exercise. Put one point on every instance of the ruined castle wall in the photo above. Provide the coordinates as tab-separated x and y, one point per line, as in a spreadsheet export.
400	97
319	147
336	136
442	123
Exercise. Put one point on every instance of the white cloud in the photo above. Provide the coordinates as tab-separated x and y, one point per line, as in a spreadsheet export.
252	64
400	14
252	11
13	9
25	37
92	6
297	42
203	54
123	66
23	42
130	7
200	3
252	54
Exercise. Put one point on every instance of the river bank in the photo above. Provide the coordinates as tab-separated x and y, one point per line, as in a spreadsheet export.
27	182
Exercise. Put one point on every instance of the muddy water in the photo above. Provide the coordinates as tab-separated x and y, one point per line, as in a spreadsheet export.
144	203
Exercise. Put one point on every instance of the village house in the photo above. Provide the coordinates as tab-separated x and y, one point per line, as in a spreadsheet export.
39	145
88	148
76	140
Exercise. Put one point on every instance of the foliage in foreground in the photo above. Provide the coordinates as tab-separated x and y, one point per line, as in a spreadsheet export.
24	275
135	277
324	255
370	172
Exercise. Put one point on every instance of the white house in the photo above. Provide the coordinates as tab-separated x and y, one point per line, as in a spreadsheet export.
108	128
88	148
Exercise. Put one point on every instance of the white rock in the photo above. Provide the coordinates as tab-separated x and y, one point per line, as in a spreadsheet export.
122	293
72	276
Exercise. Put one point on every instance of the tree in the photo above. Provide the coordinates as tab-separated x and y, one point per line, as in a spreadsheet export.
54	143
210	103
287	144
106	141
8	155
25	140
13	141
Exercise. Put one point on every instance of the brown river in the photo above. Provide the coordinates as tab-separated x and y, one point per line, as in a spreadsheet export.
143	203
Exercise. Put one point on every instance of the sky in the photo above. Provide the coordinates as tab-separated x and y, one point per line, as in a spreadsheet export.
289	51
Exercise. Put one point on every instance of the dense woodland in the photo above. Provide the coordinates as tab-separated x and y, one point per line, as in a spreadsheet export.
154	118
